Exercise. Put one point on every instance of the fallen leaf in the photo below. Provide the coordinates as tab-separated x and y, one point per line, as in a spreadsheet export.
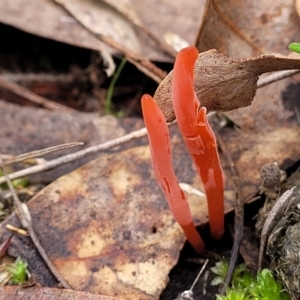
279	19
107	227
297	6
126	8
19	293
223	83
275	106
244	29
104	19
50	20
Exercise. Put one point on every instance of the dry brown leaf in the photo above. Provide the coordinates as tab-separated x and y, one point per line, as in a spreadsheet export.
19	293
126	8
107	227
223	83
113	28
48	19
297	6
240	19
246	29
101	18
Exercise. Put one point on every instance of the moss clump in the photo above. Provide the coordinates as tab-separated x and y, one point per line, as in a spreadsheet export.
245	286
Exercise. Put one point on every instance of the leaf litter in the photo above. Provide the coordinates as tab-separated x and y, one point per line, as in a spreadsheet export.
263	124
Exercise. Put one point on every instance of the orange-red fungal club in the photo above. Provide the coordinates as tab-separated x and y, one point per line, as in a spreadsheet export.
160	148
198	137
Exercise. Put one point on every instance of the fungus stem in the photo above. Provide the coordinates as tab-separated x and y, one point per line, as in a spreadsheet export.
160	148
198	137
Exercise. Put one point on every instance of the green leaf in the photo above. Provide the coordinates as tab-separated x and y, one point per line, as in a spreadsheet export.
234	294
295	47
247	287
18	271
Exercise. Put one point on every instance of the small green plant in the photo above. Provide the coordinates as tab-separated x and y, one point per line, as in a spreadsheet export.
295	47
14	273
240	273
108	99
18	271
233	294
248	287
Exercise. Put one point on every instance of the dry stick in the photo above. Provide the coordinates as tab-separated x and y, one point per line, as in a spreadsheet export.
38	77
275	77
27	94
73	156
38	153
273	217
24	216
238	217
188	294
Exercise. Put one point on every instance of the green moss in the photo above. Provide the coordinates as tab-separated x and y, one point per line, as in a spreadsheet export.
248	287
18	271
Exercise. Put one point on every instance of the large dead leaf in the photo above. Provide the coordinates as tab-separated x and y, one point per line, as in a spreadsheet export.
247	26
247	29
223	83
101	18
19	293
107	227
48	19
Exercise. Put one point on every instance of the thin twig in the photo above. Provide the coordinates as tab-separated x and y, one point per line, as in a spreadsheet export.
188	294
24	216
200	273
275	77
30	96
74	156
38	153
238	217
38	77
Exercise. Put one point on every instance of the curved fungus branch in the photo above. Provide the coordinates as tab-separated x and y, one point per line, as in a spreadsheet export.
160	148
198	137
